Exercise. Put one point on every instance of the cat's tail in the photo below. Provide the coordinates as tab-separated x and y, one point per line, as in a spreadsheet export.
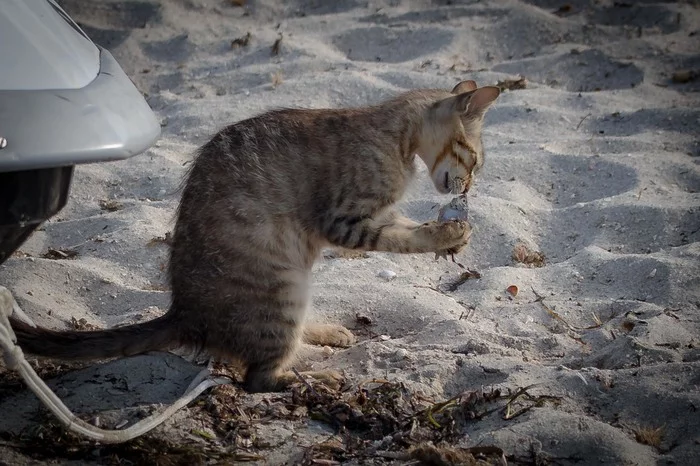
156	334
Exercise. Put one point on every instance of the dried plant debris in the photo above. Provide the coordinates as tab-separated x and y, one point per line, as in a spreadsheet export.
110	205
143	450
627	325
277	46
448	456
241	41
512	84
276	78
461	280
363	319
564	10
59	254
649	435
385	419
423	454
82	324
684	76
525	255
540	299
155	286
376	419
167	240
238	2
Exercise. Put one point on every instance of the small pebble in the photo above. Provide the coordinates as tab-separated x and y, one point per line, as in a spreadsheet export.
384	337
387	274
652	274
401	354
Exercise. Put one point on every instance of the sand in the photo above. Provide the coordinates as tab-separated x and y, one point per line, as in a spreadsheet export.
595	164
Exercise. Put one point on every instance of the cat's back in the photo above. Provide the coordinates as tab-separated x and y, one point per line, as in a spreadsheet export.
289	128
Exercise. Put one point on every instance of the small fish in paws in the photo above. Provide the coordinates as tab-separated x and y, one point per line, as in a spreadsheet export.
457	209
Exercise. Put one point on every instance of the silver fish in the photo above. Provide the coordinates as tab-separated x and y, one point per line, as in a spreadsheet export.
457	209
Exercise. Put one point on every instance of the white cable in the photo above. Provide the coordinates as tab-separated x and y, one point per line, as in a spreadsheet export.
14	359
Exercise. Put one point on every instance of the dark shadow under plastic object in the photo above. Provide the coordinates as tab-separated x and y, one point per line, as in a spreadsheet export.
28	198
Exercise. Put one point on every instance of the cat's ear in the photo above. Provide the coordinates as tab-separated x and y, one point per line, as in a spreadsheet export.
473	104
464	86
481	99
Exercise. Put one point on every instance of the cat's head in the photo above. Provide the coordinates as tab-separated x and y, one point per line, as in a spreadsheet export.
451	135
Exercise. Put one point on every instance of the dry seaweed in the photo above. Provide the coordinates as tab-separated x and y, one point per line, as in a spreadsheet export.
277	46
684	76
276	78
384	419
82	324
167	240
461	280
649	435
376	419
525	255
110	205
60	254
363	320
540	299
242	41
49	441
512	84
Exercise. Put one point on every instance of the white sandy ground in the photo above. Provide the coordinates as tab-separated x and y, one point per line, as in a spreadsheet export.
595	164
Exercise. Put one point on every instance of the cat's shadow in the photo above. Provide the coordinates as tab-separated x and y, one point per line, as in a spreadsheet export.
120	390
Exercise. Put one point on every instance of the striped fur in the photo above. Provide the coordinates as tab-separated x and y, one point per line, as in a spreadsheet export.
262	198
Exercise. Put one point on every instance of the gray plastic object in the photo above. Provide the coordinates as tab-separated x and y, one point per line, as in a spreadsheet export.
63	100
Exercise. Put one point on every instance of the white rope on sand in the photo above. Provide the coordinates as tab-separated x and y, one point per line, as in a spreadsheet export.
15	360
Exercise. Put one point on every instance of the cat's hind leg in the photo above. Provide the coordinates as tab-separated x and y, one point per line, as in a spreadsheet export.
328	335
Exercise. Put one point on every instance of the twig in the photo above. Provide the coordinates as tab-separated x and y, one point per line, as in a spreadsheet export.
303	380
555	315
582	120
275	49
550	311
507	415
429	287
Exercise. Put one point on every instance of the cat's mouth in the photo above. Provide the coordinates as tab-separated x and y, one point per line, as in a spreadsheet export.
458	185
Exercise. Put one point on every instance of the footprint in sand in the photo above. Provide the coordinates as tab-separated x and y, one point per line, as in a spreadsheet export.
391	45
659	17
577	71
110	23
176	49
570	179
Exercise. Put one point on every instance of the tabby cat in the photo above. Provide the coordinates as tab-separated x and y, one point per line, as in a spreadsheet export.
261	200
